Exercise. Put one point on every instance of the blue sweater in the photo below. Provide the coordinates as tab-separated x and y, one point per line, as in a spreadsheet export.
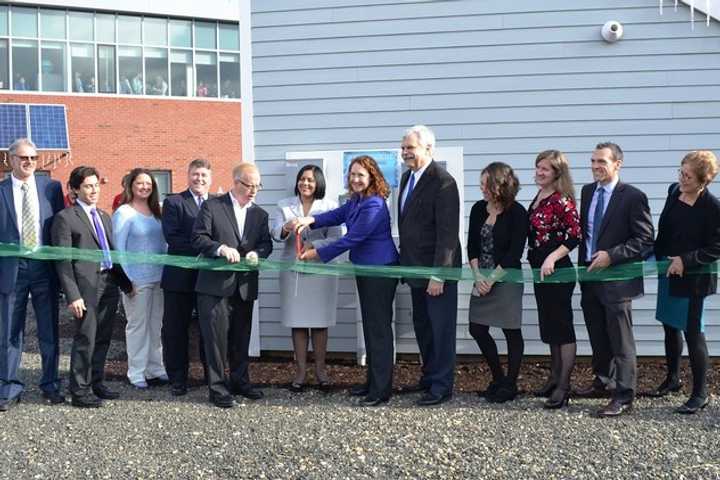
135	232
368	237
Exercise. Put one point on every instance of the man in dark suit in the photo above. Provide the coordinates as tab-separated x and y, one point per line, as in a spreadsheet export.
230	226
617	229
29	203
429	213
178	284
91	288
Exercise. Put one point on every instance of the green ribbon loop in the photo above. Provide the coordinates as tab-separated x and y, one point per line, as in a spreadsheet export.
650	268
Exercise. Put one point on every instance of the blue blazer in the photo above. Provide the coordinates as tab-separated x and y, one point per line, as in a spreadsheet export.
51	201
368	237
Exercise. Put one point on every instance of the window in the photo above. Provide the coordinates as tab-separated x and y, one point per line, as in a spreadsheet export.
206	73
129	29
229	37
105	28
130	69
81	26
4	67
53	66
3	20
181	73
82	63
163	178
24	22
205	35
154	31
180	33
106	69
52	24
25	64
229	75
156	71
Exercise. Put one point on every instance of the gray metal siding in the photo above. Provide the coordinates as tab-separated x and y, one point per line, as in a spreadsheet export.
504	80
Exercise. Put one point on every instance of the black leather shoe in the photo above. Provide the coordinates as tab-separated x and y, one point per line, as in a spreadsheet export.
507	391
103	392
178	390
296	387
54	397
86	401
666	387
615	408
5	405
693	405
372	402
418	387
222	401
248	392
592	391
429	399
491	389
546	390
359	391
157	381
557	400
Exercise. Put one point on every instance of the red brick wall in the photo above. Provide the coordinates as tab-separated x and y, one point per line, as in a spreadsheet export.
115	134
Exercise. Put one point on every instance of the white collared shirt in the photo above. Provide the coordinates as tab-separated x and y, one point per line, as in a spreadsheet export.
609	189
199	198
240	213
34	204
86	208
417	175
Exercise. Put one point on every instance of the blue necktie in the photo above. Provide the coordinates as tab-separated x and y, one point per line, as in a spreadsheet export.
410	187
597	219
106	264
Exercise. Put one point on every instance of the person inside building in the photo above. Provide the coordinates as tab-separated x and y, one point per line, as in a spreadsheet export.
158	87
689	237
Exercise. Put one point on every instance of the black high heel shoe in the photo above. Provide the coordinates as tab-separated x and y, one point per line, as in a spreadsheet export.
693	405
666	387
555	403
546	390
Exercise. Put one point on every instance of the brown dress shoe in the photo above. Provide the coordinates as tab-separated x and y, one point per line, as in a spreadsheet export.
615	408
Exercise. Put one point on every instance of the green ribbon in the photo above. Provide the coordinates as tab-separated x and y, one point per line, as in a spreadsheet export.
650	268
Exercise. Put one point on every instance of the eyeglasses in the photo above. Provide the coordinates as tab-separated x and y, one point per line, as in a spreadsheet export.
250	186
29	158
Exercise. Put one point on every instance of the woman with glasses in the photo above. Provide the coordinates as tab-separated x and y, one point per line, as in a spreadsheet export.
689	237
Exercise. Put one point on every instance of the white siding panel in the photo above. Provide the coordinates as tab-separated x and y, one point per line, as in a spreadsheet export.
504	80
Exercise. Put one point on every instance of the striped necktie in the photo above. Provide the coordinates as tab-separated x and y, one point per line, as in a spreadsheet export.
29	234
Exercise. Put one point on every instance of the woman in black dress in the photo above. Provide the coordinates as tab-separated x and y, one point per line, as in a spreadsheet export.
689	236
554	232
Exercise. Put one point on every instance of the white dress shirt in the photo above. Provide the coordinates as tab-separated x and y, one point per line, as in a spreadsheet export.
34	204
417	174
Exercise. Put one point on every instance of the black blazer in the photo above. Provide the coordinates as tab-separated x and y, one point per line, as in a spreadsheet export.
79	279
216	225
698	244
626	233
509	234
430	222
178	217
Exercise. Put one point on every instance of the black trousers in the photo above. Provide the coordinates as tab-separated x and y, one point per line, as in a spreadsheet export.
226	323
177	321
376	305
93	335
609	325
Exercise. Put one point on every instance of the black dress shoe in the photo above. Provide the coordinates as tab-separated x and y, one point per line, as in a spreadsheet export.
666	387
693	405
418	387
157	381
178	390
86	401
593	391
54	397
507	391
248	392
546	389
615	408
5	404
429	399
359	391
296	387
491	389
372	402
103	392
222	401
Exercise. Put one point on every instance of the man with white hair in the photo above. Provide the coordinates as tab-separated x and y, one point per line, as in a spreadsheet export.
29	202
429	213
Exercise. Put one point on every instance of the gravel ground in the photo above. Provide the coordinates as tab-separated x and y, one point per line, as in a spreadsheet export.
319	436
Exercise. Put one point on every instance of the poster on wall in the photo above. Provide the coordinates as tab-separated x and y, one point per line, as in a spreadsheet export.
387	160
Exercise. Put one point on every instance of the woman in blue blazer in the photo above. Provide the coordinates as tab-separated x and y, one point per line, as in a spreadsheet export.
370	242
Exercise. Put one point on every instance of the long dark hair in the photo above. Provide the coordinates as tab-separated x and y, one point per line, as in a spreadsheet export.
153	201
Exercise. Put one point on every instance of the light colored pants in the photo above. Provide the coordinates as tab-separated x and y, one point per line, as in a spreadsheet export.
144	313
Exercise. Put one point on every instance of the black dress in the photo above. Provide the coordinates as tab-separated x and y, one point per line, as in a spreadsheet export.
553	222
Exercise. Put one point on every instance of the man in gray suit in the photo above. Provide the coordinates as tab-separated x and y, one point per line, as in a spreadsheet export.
91	288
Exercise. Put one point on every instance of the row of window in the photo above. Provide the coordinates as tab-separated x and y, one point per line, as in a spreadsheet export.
27	63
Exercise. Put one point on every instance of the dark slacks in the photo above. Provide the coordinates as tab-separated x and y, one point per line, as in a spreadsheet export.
435	323
93	334
33	278
177	321
376	304
226	324
609	326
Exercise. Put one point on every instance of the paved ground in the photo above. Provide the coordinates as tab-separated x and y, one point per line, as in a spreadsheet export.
317	436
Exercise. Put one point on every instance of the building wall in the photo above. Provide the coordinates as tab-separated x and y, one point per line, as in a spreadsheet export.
116	134
504	80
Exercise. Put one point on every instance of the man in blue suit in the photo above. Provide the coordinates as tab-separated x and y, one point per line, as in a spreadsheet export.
29	203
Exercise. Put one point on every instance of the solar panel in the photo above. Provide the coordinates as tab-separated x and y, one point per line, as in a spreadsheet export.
13	123
48	127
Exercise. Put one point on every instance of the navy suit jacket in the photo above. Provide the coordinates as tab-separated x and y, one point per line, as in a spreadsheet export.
50	199
178	217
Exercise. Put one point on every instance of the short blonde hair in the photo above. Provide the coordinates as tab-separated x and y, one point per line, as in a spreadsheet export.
242	168
703	163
